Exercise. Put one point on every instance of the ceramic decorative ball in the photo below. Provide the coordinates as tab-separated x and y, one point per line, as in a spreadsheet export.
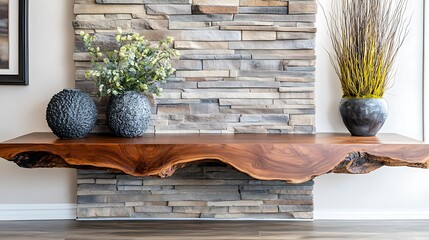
128	114
71	114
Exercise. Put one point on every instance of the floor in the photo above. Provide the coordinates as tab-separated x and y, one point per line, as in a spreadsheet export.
216	230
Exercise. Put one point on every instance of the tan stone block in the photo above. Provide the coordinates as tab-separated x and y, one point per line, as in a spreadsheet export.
263	3
189	25
295	35
187	203
78	31
200	45
302	120
206	9
296	89
299	63
259	35
302	7
297	95
90	17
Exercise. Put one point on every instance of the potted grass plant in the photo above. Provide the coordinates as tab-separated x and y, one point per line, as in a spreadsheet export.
366	36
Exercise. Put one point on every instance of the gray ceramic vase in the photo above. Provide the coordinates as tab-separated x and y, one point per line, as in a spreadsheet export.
128	114
364	117
71	114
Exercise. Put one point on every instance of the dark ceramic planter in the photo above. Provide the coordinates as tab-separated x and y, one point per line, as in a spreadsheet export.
363	117
71	114
128	114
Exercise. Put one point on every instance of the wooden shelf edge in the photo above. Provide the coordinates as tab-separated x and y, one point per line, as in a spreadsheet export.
294	162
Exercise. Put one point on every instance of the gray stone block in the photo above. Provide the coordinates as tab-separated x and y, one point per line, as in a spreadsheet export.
216	57
106	181
226	175
204	108
275	18
170	9
159	192
213	118
130	182
304	129
250	102
187	203
296	208
195	209
201	18
249	216
87	181
165	215
295	196
96	187
133	192
246	196
153	209
203	189
235	203
284	44
257	209
177	182
263	10
140	204
244	64
187	64
289	202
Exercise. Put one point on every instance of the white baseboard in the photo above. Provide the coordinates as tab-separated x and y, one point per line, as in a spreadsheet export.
37	211
371	215
13	212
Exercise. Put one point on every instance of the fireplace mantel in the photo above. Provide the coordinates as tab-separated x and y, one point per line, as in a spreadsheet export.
293	158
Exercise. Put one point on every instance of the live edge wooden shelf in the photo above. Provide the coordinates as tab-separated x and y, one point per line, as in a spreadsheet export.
293	158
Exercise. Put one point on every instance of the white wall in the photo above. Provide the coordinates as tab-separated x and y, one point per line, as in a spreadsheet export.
389	189
51	69
22	109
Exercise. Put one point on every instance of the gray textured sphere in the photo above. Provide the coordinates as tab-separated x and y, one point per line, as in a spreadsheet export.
128	114
71	113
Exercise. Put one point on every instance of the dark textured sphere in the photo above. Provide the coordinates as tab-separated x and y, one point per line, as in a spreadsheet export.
71	113
128	114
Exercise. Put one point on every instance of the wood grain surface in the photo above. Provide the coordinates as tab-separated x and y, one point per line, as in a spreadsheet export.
293	158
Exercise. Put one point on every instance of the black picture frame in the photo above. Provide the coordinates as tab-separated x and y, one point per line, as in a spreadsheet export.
22	77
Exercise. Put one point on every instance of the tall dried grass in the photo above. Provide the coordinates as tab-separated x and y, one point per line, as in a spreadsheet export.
366	36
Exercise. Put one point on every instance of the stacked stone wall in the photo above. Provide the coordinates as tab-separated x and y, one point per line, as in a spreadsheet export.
205	190
246	66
